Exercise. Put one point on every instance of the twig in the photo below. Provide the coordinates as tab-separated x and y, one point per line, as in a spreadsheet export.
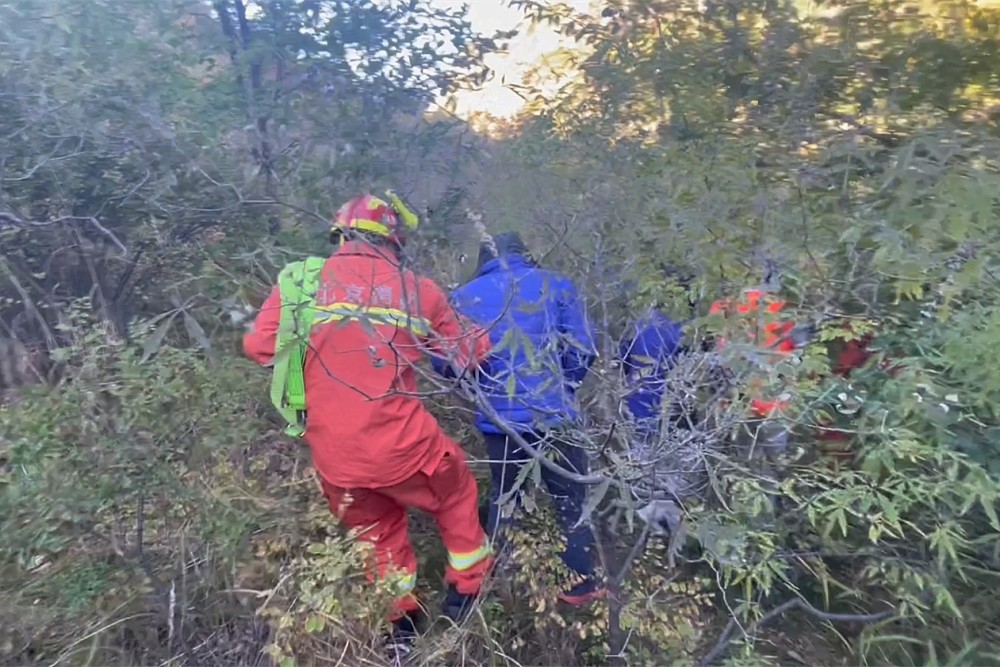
8	217
796	603
94	633
548	463
634	553
171	611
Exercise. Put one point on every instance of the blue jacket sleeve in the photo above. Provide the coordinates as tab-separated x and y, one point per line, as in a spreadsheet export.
646	360
652	351
578	351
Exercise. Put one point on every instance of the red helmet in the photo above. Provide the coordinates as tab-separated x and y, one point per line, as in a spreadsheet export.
368	213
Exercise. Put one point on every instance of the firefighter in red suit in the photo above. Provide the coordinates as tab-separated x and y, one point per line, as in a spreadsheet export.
855	353
377	449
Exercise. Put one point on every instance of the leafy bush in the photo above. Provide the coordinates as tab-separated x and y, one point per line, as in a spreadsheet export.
129	493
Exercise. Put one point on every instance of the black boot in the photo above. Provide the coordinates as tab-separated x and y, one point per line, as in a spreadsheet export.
484	515
457	606
399	643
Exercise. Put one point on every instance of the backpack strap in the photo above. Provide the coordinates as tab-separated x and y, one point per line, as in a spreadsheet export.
297	283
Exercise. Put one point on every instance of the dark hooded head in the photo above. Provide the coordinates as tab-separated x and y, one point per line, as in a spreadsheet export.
503	245
676	282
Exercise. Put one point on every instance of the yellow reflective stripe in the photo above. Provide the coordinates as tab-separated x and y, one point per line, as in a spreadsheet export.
406	582
371	226
335	312
400	581
463	561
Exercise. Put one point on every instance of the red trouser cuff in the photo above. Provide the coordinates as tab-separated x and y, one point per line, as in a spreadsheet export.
402	606
470	580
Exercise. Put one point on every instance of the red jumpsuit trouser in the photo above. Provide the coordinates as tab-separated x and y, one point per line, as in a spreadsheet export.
379	516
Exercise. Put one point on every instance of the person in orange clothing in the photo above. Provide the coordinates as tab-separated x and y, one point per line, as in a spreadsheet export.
855	352
376	448
759	314
834	443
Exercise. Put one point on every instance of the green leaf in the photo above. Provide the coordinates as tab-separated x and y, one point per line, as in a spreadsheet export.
366	324
196	332
837	518
594	499
990	511
155	341
536	474
315	624
522	476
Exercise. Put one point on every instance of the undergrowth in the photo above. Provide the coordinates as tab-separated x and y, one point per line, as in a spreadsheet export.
152	515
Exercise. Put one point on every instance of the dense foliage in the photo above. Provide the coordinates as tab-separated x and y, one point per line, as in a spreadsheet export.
161	159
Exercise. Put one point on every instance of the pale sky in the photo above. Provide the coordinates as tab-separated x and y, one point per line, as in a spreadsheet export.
525	50
486	17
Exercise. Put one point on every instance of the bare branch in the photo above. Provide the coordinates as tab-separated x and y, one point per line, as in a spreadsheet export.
797	603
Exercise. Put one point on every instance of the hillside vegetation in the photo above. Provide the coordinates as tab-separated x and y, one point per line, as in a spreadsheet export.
161	160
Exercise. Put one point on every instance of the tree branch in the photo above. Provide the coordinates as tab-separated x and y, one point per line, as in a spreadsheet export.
722	645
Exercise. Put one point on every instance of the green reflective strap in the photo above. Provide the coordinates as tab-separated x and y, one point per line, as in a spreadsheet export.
297	284
279	379
295	383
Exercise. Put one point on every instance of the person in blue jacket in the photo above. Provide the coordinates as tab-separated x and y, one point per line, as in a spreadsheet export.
647	357
542	350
